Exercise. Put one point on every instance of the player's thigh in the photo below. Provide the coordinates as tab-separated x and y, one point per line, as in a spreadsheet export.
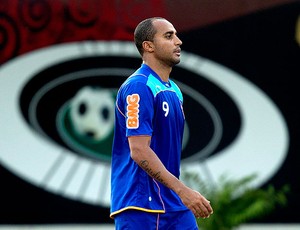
181	220
134	219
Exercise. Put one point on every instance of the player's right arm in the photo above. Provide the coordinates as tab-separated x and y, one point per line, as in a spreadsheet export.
146	158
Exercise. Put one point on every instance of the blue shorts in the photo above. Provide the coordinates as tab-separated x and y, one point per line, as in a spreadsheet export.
135	219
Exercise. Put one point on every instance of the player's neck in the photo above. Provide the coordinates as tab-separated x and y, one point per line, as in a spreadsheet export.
161	69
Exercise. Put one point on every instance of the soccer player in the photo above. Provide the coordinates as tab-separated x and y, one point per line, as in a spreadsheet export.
146	192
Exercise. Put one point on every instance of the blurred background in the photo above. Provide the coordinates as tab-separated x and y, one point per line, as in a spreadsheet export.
62	61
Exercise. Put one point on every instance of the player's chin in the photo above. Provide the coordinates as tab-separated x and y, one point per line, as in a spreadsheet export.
173	61
176	59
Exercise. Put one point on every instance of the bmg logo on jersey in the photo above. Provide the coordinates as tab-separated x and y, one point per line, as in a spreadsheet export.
132	111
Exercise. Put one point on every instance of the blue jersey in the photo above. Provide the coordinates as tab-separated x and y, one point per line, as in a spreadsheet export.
145	105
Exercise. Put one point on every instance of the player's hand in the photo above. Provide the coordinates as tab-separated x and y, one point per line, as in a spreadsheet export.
197	203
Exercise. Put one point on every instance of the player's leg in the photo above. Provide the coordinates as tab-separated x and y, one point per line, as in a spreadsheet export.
181	220
135	219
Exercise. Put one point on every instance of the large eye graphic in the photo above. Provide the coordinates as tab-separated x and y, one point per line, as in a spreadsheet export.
61	111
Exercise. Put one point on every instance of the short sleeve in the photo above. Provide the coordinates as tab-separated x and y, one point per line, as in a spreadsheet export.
138	109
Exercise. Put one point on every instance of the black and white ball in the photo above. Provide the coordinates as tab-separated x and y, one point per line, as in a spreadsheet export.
92	112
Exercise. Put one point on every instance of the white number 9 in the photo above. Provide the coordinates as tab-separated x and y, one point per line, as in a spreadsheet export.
165	107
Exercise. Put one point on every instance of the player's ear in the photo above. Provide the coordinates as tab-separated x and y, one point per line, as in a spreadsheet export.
148	46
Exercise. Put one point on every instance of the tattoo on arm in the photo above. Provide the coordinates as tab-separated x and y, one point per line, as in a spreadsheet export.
156	175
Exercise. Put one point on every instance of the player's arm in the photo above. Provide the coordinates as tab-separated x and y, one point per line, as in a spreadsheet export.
145	157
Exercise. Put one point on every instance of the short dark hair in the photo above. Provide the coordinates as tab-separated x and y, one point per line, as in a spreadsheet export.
144	31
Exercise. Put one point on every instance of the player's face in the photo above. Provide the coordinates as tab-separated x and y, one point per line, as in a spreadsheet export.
166	43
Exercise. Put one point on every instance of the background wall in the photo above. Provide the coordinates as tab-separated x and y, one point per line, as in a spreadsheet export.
238	74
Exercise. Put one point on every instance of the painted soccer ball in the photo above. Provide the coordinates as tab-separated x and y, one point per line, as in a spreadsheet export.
92	112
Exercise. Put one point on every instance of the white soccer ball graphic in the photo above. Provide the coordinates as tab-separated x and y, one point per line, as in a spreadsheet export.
92	112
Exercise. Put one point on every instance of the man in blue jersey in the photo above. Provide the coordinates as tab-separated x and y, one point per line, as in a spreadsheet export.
146	192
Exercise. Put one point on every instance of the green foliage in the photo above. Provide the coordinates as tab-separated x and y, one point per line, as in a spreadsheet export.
235	201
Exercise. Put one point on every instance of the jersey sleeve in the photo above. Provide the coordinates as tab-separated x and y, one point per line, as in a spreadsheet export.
138	109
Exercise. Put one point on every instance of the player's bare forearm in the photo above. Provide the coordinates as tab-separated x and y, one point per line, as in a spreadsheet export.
154	174
145	157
